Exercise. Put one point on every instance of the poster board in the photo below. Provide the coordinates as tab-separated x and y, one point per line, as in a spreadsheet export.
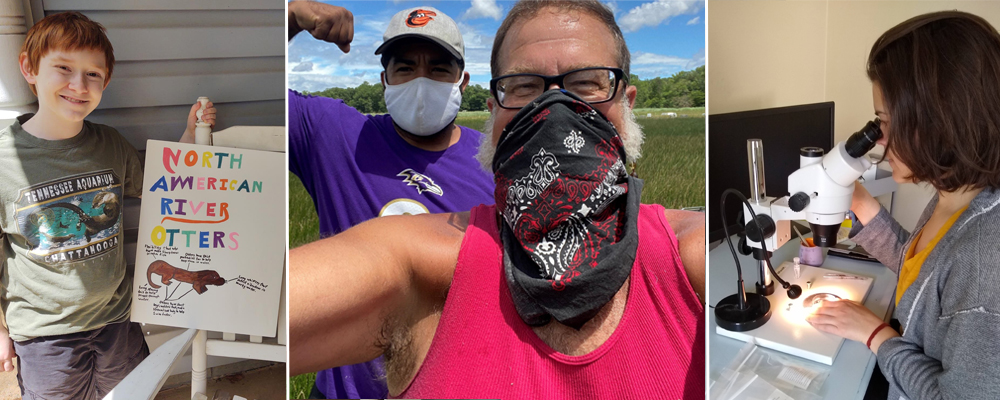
211	245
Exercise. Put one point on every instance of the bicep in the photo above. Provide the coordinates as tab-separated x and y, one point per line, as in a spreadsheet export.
340	290
343	288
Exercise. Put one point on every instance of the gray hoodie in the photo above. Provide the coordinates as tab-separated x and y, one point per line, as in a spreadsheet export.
950	348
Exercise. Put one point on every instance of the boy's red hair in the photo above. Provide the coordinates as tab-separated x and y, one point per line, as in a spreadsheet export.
66	31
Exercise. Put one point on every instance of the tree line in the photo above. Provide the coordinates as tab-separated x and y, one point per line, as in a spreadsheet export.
683	89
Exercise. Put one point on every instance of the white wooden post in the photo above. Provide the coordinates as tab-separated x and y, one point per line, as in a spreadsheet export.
199	363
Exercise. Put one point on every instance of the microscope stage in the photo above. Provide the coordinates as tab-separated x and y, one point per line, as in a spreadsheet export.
787	331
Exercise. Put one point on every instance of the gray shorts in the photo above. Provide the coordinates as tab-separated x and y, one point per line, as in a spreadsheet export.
83	365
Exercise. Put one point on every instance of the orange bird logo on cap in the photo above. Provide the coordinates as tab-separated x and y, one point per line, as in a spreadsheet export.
419	18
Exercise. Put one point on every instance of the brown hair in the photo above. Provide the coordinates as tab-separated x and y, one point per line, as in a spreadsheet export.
940	78
526	9
66	31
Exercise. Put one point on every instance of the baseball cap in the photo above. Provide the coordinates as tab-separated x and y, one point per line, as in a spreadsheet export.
427	23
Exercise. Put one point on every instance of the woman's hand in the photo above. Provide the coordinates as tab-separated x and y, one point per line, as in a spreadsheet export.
849	320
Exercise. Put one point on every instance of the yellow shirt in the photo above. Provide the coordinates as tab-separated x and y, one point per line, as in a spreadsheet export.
911	266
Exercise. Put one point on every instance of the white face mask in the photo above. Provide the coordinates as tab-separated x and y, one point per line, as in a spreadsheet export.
423	106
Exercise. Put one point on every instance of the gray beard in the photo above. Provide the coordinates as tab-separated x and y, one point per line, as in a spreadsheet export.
631	135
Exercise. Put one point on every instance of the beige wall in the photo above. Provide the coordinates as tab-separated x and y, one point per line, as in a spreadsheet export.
765	54
772	54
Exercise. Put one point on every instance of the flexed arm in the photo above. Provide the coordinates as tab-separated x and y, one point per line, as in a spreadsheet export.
344	288
323	21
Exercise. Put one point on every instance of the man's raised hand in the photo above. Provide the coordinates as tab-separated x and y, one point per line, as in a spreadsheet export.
323	21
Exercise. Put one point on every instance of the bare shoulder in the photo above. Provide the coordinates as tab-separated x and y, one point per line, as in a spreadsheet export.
412	250
428	243
689	226
686	223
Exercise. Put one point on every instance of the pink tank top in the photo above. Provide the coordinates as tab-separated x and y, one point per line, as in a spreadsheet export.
482	349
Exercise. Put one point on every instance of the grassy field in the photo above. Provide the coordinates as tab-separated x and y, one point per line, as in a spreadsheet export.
681	112
672	165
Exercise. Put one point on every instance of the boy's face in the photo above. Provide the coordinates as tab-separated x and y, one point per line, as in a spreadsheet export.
69	83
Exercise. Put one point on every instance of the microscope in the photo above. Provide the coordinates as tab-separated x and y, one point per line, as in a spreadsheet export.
820	193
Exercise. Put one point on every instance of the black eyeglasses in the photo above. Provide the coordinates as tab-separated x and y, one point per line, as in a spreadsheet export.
594	85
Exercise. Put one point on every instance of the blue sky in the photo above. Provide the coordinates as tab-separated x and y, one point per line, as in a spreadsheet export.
664	36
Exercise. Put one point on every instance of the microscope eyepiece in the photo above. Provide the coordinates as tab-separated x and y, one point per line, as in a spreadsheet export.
811	152
864	140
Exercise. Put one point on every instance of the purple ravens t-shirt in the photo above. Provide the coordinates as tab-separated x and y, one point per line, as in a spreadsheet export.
356	167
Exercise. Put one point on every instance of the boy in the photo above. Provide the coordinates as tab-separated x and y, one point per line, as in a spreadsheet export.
66	297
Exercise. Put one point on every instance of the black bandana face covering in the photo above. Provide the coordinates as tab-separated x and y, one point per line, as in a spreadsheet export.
569	210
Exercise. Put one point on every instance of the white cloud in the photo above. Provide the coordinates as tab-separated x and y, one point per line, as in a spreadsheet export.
483	9
613	6
651	65
697	60
478	46
303	67
640	58
474	39
656	13
694	20
375	25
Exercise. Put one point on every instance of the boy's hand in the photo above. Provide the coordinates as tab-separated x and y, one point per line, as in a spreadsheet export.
7	353
192	118
325	22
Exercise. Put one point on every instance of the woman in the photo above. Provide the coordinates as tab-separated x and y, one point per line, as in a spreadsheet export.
936	88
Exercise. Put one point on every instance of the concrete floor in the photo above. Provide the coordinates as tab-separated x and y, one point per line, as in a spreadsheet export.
8	386
260	384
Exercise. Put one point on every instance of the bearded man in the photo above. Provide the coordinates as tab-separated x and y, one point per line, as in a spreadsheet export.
566	288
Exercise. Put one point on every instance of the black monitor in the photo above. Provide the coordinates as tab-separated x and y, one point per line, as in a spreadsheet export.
783	131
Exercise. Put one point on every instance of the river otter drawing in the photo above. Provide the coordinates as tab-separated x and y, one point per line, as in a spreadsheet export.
197	279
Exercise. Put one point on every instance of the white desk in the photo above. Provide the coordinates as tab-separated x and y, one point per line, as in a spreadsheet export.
853	366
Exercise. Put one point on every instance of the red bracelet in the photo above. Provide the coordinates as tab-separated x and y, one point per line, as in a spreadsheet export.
880	327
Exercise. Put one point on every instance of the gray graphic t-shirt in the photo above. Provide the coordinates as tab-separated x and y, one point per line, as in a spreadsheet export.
61	207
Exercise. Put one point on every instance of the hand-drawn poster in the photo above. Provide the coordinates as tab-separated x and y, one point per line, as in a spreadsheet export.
211	245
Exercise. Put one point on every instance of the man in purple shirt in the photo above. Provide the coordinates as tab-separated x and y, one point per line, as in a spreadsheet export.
413	160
